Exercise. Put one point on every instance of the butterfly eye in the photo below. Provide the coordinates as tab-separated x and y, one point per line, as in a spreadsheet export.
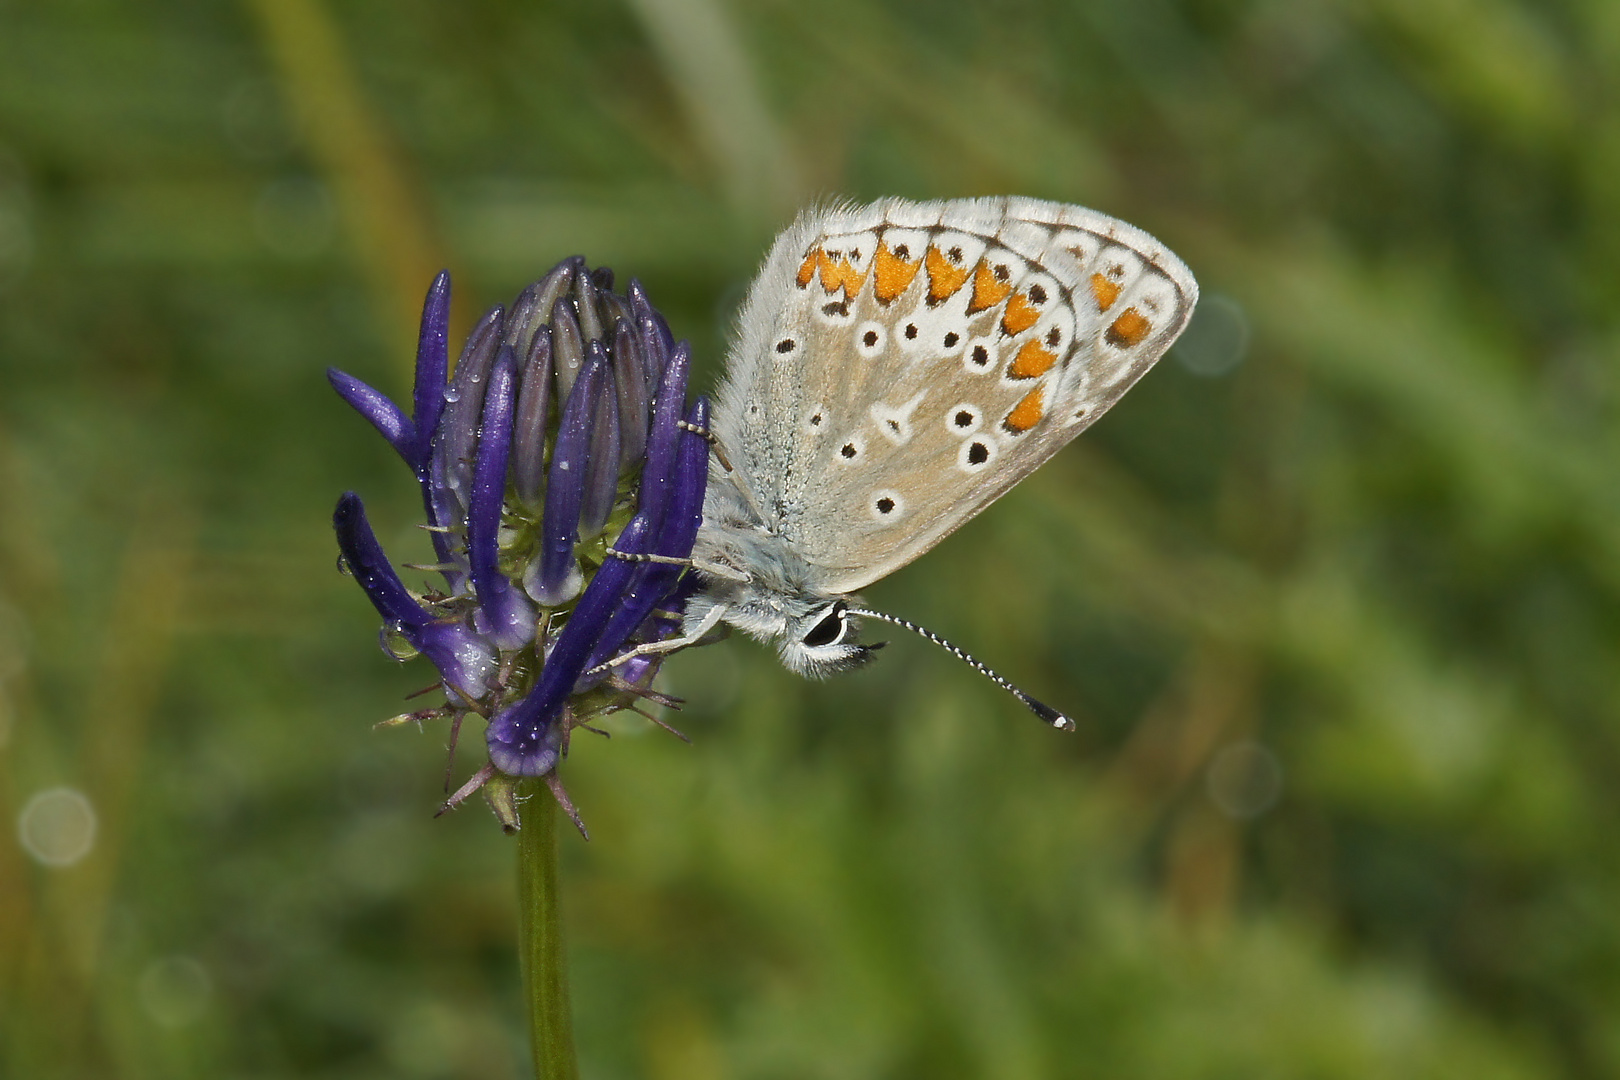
830	630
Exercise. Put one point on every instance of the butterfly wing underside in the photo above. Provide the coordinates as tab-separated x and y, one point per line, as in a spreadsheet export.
904	364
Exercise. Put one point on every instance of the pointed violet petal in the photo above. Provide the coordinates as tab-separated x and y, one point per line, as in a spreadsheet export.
658	477
504	616
674	536
567	346
520	736
630	379
391	423
529	425
432	367
455	442
556	577
602	459
465	660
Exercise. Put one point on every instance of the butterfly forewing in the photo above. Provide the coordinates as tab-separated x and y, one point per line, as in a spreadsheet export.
903	364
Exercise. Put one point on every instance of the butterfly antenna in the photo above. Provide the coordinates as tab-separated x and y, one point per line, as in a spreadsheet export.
1040	709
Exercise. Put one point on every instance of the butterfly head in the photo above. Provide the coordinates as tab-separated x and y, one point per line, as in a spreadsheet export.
820	641
814	635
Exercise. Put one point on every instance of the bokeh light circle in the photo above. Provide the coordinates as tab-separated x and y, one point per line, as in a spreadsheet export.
1245	780
57	826
174	991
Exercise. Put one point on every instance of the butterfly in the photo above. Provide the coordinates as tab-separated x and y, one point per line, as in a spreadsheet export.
898	366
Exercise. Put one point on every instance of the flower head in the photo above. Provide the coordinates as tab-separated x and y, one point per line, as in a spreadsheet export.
559	454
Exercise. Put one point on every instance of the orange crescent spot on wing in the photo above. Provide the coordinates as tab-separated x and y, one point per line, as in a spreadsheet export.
891	275
1105	291
1128	330
1032	360
987	291
1020	315
943	278
839	274
831	277
807	269
1027	413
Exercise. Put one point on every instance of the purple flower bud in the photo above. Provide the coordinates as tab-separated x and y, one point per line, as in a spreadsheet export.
630	379
678	531
533	305
656	339
465	660
589	306
567	346
504	615
614	308
658	477
555	578
432	367
456	439
529	425
602	459
391	423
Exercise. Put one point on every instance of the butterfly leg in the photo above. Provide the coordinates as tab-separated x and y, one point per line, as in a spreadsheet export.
713	441
711	619
716	570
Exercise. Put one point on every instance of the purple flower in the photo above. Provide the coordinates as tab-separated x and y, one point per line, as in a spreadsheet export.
553	454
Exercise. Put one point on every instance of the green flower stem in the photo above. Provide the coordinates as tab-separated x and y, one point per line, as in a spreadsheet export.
541	950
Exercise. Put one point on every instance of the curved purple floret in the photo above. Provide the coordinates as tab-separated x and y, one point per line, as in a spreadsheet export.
391	423
464	659
518	735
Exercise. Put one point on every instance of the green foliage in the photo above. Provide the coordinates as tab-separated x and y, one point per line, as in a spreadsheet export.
1360	534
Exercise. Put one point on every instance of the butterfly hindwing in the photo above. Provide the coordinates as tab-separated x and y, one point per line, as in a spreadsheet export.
904	364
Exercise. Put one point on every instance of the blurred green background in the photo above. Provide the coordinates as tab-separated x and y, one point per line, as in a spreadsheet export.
1333	592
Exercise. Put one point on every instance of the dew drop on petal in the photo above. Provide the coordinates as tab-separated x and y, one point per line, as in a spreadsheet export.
395	644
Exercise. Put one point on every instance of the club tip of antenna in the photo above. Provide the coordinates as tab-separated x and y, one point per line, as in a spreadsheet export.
1049	714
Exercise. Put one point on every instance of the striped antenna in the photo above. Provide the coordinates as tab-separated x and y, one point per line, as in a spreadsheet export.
1040	709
